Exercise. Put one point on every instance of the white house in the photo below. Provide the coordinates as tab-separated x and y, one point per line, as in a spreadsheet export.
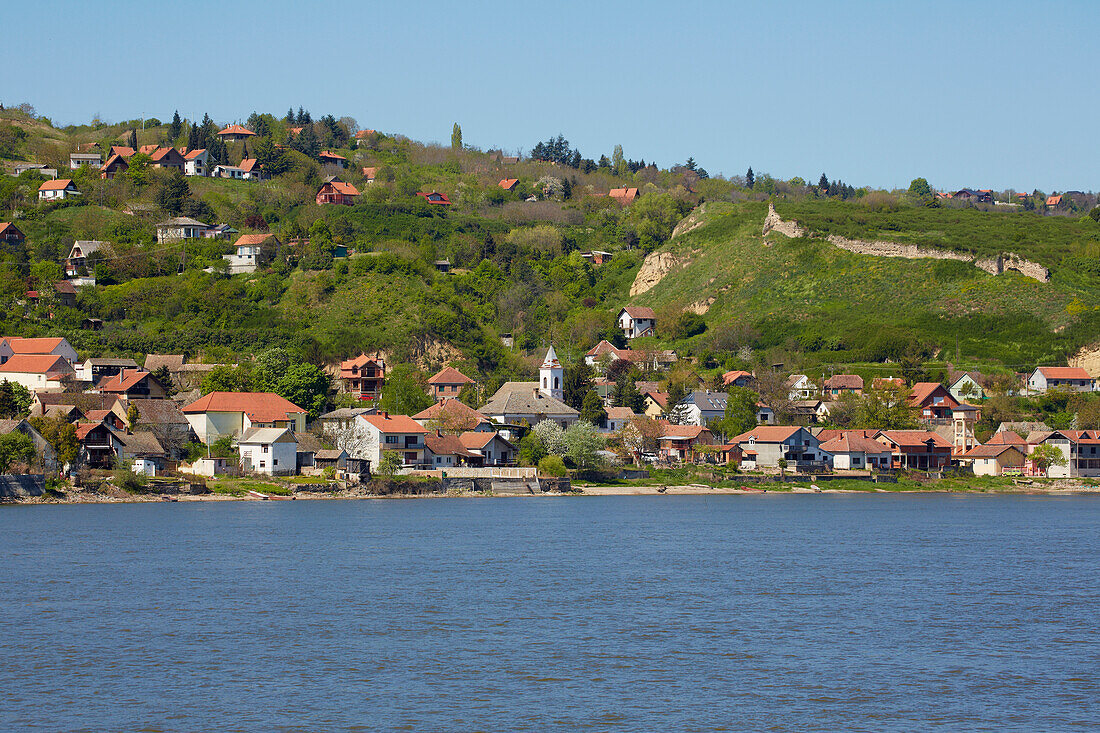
766	445
1074	379
992	459
250	170
271	451
196	163
180	227
89	159
247	254
617	419
801	387
700	407
234	413
966	387
56	190
637	321
56	346
400	433
495	450
38	372
853	450
228	171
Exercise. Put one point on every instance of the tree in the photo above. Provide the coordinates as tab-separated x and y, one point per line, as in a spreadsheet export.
224	378
920	191
133	139
456	137
175	128
823	184
390	463
641	435
583	444
750	179
531	450
577	384
592	409
173	193
60	435
549	435
740	415
552	466
306	385
618	162
164	375
1046	455
15	448
15	399
627	394
403	392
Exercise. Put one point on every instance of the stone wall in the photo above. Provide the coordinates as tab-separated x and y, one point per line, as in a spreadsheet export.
21	486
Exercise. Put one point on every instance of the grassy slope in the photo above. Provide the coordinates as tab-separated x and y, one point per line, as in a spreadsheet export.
804	287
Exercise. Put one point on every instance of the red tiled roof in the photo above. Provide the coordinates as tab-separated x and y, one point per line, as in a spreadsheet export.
992	450
1006	437
258	406
370	172
330	154
668	430
34	364
340	187
661	398
363	134
83	428
448	445
246	240
236	130
463	415
853	442
6	225
123	151
508	183
475	440
1064	373
625	194
731	377
122	381
249	164
434	197
147	149
192	154
450	375
21	345
57	184
1054	200
359	361
844	381
391	424
640	311
160	153
923	391
767	434
910	438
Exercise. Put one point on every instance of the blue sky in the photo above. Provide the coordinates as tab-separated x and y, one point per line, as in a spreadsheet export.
982	94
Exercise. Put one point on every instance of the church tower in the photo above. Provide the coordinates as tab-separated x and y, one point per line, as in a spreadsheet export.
552	376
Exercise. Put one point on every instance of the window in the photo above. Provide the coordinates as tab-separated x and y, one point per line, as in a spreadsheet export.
391	439
266	446
262	464
275	462
438	460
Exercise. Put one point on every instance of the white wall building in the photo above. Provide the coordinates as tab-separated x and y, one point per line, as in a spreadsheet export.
270	451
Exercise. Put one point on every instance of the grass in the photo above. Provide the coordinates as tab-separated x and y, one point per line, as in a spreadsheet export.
241	486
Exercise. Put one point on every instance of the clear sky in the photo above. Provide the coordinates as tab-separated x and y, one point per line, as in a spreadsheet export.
980	94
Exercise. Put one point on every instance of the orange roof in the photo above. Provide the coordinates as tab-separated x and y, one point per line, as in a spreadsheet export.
853	442
767	434
844	381
340	187
1063	373
122	381
56	185
477	441
370	172
394	423
251	240
452	409
147	149
192	154
362	134
124	151
914	437
21	345
34	364
236	130
330	154
731	377
1006	437
992	450
450	375
296	130
1054	200
6	225
668	430
116	158
508	183
258	406
83	428
922	391
360	361
625	194
661	398
249	164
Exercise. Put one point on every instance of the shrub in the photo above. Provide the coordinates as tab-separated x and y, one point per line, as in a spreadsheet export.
552	466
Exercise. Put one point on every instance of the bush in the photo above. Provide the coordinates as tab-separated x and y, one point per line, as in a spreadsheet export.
552	466
129	481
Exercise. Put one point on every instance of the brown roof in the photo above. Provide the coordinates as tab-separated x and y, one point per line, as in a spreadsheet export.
156	361
123	381
447	445
450	375
258	406
922	391
668	430
142	443
246	240
912	438
192	154
370	172
992	450
854	442
844	381
122	151
767	434
249	164
330	154
639	311
661	398
451	410
1007	437
158	412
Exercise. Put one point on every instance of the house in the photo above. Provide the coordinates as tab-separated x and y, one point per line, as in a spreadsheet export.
228	171
623	196
434	197
64	291
38	372
969	194
138	447
451	416
363	376
443	451
13	345
71	406
148	149
448	383
196	163
133	383
46	456
400	433
1073	379
853	450
1023	428
89	159
1053	201
56	190
363	136
40	168
76	264
221	231
211	467
494	450
509	184
251	170
98	445
881	383
800	387
656	403
932	401
95	369
328	157
605	353
809	412
370	173
234	413
248	253
838	384
335	191
10	234
123	151
920	449
702	406
967	386
681	442
596	257
235	133
165	420
268	451
179	228
766	445
442	265
737	378
115	165
996	459
765	415
1080	451
637	321
519	403
167	158
617	419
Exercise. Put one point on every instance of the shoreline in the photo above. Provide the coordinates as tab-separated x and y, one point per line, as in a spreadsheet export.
1061	488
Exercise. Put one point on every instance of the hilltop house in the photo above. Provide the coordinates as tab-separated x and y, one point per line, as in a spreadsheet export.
400	433
508	184
11	234
167	158
969	194
196	163
623	196
76	263
328	157
95	369
840	383
606	353
335	191
89	159
637	321
363	376
248	253
234	413
448	383
737	378
251	170
1074	379
179	228
369	173
235	133
56	190
115	165
269	451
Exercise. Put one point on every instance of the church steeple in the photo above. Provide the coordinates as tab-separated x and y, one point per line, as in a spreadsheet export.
552	376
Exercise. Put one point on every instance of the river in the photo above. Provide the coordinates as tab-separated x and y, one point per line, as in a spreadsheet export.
686	613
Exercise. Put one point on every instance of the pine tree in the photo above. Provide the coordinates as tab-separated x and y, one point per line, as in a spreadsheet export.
244	152
592	409
750	179
193	141
823	184
289	119
175	128
133	139
456	137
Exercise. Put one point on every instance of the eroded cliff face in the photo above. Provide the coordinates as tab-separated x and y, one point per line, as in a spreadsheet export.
694	220
879	248
1087	358
654	267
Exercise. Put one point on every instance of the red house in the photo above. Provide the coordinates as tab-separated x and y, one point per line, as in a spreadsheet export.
10	234
336	191
435	198
363	376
